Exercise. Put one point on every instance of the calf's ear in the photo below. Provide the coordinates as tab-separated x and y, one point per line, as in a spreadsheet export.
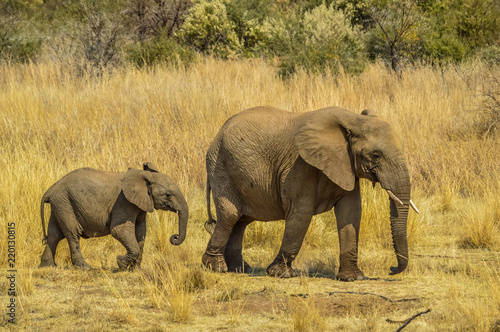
136	188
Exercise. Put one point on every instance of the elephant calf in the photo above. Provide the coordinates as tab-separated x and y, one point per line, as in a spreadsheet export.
90	203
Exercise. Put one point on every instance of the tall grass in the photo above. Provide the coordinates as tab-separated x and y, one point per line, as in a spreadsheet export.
53	121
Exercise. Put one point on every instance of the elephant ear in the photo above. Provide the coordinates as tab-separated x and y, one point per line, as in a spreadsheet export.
136	189
150	167
369	112
323	143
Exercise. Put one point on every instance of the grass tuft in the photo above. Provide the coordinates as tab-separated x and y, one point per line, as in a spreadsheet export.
306	316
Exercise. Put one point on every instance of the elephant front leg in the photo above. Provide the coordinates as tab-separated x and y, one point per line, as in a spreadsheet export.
140	235
125	234
295	230
348	215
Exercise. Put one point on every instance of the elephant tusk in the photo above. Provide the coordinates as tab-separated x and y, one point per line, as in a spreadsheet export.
394	197
414	207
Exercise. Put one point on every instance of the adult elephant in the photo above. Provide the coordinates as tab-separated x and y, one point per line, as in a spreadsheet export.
268	164
91	203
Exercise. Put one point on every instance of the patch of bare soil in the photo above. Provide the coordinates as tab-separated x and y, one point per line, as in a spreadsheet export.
330	303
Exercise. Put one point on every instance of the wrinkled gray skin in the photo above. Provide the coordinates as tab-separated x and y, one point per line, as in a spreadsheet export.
91	203
268	164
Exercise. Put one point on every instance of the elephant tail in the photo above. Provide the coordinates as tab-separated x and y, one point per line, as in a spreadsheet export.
45	199
210	223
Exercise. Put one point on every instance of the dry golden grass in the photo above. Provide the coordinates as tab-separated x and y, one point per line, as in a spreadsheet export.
52	121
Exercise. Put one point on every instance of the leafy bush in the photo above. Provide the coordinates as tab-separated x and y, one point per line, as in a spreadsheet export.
15	45
160	50
477	21
247	25
208	29
442	47
454	30
490	55
321	38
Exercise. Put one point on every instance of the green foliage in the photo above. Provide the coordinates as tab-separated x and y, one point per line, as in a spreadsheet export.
160	50
208	29
250	9
478	21
443	46
455	29
247	24
20	50
395	36
15	44
319	39
312	35
490	55
358	11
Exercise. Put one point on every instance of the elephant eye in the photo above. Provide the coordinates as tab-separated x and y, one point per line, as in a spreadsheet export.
376	155
168	195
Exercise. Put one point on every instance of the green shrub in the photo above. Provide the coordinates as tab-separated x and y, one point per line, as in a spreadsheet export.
208	29
160	50
490	55
318	40
248	26
455	30
442	48
21	50
16	44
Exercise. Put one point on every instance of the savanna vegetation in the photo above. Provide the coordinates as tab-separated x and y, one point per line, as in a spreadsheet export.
54	121
111	85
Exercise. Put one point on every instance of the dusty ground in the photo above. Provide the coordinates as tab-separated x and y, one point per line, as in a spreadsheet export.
104	299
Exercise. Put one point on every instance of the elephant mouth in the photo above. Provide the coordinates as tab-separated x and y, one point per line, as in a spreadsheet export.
397	200
169	208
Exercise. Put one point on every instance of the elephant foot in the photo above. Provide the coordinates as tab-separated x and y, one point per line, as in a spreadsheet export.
350	275
83	266
236	263
215	263
242	267
47	264
281	270
124	263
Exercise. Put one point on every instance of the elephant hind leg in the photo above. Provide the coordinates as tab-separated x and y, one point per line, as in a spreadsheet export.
76	253
234	246
67	222
54	236
228	215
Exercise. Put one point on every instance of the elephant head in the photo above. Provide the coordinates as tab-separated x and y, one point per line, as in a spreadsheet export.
346	146
148	190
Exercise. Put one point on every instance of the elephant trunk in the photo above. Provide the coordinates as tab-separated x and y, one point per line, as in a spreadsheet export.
399	217
399	189
183	214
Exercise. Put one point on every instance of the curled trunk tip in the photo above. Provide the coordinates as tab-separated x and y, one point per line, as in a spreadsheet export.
177	239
